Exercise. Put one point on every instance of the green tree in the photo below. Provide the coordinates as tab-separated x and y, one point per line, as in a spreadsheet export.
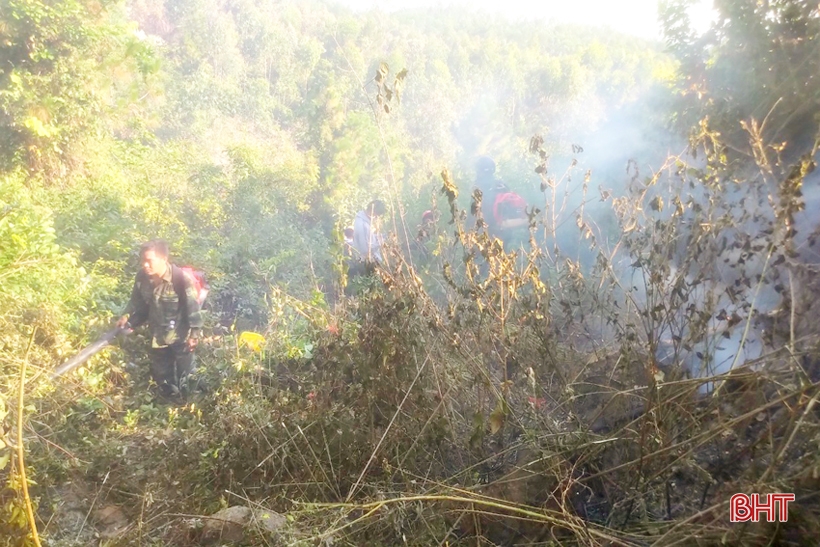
54	83
759	61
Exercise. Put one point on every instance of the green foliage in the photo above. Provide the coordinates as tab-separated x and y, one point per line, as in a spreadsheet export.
51	88
759	61
246	133
43	293
42	284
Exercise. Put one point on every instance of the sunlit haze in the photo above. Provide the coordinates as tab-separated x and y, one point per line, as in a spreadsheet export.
637	17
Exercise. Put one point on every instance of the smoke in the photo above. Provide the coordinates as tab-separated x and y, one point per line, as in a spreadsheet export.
745	281
750	282
606	147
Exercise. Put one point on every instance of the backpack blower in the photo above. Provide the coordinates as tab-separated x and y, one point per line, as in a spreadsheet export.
200	286
86	353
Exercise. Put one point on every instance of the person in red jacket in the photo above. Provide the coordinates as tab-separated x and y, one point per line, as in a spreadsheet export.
504	211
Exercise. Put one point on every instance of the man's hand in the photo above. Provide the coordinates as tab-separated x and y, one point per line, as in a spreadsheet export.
122	321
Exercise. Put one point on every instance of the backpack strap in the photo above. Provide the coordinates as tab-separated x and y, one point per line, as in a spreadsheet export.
178	280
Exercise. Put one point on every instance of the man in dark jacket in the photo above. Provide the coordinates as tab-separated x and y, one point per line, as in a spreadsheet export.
165	297
504	219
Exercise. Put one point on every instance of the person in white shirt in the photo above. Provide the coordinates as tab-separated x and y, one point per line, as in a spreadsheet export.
366	238
349	250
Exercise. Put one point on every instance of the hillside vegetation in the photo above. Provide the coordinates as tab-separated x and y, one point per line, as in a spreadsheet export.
644	351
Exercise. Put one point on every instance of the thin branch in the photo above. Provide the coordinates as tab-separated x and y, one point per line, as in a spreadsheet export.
20	448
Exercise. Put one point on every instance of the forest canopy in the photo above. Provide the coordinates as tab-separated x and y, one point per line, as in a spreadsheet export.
249	133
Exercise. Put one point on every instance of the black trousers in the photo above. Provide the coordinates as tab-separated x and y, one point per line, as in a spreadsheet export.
358	269
170	367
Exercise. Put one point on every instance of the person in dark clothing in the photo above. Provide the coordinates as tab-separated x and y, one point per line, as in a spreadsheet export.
485	178
490	186
428	223
501	208
165	297
422	245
